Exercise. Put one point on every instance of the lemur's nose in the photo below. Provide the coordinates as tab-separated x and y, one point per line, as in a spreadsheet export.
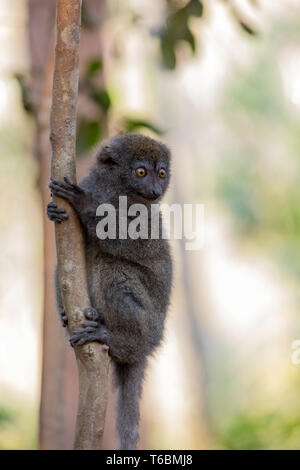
156	192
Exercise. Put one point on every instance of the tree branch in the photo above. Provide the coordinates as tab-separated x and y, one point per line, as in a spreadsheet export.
92	359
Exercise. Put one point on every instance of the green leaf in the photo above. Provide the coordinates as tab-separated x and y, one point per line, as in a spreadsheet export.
93	67
189	38
195	8
132	125
178	29
101	98
88	134
25	92
6	415
167	47
248	29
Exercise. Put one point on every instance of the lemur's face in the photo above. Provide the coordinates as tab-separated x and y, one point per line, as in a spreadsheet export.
140	167
148	178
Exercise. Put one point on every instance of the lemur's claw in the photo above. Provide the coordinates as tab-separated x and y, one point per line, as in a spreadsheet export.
74	185
63	317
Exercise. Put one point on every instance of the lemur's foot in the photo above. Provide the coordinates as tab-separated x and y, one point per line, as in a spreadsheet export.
93	330
63	317
55	214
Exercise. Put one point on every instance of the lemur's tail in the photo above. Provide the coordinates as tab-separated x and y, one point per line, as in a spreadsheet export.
129	381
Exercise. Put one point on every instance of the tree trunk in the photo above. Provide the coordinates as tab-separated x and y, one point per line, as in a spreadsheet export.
92	359
59	387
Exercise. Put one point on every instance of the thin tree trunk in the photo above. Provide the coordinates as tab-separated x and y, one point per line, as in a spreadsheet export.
92	359
59	385
59	382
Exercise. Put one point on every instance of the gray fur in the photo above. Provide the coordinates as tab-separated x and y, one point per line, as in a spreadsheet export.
129	280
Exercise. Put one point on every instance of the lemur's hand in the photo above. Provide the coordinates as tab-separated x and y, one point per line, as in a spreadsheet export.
71	192
55	214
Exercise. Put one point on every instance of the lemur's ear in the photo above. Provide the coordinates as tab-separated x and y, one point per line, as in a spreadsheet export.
107	155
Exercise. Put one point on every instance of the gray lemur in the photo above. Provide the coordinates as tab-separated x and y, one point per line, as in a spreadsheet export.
129	279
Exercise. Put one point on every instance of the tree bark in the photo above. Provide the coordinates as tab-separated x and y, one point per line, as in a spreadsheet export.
92	359
59	385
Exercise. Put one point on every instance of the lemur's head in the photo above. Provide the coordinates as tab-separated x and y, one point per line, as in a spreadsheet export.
136	166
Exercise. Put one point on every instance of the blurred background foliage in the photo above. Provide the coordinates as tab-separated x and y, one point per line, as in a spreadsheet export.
262	194
219	82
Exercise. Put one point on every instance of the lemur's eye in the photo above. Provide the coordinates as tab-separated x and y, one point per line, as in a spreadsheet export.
162	173
141	172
